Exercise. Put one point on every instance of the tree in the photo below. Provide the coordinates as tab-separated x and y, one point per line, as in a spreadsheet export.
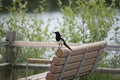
87	21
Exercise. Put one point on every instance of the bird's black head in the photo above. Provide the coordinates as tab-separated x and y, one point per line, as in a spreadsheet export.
58	36
56	32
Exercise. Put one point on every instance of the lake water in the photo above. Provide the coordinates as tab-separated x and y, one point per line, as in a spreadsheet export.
53	18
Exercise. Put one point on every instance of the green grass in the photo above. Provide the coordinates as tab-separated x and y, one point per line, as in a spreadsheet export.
101	76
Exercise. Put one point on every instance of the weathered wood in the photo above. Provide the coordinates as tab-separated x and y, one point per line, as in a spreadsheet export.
9	55
34	60
36	77
31	66
77	50
72	77
108	70
3	65
69	73
77	58
56	69
47	44
113	48
10	37
0	58
3	43
38	44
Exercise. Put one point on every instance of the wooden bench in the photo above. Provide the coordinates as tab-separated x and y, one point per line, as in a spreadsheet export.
67	65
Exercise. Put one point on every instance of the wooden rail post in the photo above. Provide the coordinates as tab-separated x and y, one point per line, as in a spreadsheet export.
9	55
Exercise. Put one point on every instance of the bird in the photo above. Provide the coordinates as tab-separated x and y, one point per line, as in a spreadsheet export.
59	39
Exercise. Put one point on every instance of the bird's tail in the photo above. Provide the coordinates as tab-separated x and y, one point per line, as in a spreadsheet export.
65	44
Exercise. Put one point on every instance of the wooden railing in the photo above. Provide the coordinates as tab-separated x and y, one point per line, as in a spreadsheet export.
10	43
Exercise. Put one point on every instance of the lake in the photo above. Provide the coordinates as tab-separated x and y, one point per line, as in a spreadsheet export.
53	19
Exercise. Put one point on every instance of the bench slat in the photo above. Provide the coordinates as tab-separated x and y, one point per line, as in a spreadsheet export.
35	77
33	60
63	52
51	76
72	77
60	61
57	69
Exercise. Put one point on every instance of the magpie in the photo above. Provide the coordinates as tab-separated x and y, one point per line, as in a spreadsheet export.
59	38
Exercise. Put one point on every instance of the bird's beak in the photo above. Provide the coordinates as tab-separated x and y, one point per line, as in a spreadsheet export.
53	32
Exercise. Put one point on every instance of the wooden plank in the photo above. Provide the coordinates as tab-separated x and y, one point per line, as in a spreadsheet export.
60	61
57	69
83	70
31	66
3	65
44	44
9	55
0	58
113	48
69	73
77	50
4	43
10	37
40	76
34	60
38	44
72	77
69	78
108	70
47	44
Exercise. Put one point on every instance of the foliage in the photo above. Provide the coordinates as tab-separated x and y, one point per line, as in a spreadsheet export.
27	27
112	59
0	5
82	22
102	76
90	19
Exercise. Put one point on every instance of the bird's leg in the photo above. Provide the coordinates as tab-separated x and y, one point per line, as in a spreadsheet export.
60	44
